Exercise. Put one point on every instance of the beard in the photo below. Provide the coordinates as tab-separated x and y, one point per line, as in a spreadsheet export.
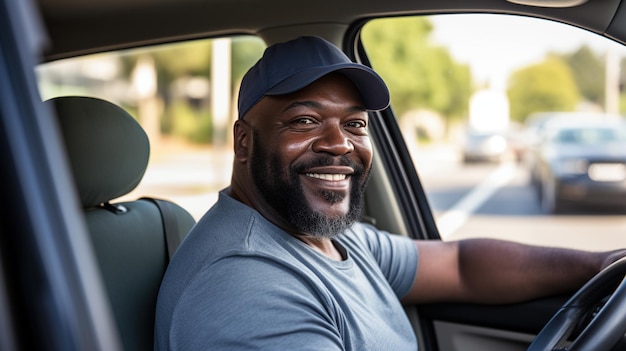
282	189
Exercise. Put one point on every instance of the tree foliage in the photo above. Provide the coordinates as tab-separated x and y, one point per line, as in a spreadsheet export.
194	59
419	74
184	59
588	70
545	86
246	50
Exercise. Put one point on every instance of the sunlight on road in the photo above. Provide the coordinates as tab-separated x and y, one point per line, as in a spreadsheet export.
455	218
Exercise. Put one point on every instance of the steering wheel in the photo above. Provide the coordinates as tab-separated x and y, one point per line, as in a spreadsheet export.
598	308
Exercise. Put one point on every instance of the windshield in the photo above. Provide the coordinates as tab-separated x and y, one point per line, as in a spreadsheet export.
590	136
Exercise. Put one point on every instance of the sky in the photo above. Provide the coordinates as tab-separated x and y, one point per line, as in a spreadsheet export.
495	45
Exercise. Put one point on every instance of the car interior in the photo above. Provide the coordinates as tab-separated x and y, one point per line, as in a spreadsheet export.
108	154
84	245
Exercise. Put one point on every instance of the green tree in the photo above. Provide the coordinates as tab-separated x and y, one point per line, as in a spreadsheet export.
193	58
588	70
246	50
545	86
176	61
418	73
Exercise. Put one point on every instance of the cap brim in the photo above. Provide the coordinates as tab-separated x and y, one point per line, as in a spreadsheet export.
371	86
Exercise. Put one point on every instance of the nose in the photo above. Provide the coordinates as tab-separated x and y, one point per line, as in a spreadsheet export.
334	140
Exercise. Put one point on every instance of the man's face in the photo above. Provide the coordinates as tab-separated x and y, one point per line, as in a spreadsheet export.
311	156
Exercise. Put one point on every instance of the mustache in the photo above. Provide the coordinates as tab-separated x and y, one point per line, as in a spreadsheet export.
328	160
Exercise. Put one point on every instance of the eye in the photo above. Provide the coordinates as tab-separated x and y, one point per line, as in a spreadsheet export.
356	124
303	121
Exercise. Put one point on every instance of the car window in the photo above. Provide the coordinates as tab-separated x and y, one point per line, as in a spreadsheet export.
471	94
455	85
182	95
589	136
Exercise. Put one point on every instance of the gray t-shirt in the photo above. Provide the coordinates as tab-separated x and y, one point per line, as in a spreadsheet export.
238	282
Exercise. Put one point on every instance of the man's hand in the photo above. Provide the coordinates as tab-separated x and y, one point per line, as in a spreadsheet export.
612	256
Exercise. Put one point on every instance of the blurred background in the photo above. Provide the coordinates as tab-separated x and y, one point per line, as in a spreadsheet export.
472	94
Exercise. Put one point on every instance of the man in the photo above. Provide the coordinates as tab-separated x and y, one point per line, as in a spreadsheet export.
281	261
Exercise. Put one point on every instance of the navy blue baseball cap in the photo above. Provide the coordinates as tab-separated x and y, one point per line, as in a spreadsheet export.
288	67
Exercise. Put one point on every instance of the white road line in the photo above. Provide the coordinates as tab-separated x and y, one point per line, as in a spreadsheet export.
453	219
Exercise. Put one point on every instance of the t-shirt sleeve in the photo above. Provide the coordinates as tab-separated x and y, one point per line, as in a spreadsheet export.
396	256
251	303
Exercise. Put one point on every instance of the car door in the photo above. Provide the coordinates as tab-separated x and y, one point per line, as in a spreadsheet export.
442	198
50	295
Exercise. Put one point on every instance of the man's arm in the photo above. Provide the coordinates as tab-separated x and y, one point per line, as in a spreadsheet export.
495	271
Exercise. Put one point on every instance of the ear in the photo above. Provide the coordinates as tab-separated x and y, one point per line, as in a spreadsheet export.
242	135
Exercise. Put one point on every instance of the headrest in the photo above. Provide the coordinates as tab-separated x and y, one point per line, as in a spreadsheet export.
108	150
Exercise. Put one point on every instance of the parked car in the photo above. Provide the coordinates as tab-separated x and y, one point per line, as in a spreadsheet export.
533	133
484	146
63	286
582	161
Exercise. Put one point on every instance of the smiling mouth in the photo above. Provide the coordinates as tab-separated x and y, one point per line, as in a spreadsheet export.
327	176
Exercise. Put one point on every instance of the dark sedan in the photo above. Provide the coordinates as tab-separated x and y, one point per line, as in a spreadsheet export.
582	162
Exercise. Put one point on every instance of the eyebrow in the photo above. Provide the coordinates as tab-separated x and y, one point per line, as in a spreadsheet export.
317	105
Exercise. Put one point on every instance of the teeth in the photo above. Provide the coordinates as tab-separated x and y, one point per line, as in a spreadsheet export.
333	177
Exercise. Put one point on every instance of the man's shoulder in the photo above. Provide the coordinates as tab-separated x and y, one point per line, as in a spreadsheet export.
360	234
243	296
229	225
241	271
364	237
227	232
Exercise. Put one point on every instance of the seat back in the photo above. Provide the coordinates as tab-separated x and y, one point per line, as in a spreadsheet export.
108	153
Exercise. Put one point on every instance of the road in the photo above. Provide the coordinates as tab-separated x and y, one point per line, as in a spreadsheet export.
496	200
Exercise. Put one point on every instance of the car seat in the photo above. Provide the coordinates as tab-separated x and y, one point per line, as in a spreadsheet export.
108	153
